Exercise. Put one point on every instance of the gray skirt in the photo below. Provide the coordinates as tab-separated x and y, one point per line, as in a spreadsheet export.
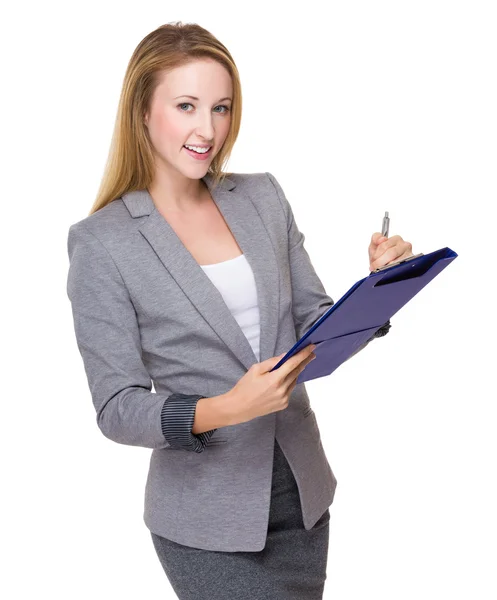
291	566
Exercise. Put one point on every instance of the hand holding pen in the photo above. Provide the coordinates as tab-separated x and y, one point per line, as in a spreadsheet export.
384	250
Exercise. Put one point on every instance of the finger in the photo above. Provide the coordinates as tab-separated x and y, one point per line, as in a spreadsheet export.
376	239
294	362
386	245
406	254
389	256
301	365
373	247
389	243
292	376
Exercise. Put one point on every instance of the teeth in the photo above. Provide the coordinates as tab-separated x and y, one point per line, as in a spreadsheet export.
198	149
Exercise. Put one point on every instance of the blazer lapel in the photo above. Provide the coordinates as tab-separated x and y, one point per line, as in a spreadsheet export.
249	231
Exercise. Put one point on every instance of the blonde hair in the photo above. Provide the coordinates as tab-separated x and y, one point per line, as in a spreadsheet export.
130	164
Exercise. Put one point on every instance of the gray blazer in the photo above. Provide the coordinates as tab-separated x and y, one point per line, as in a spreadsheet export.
144	311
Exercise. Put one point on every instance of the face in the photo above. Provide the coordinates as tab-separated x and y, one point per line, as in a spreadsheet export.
175	119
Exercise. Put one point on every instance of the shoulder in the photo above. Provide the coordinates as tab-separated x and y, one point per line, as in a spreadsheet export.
252	181
112	226
266	194
262	188
265	188
110	216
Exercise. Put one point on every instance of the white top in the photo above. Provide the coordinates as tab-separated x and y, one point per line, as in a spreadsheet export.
235	281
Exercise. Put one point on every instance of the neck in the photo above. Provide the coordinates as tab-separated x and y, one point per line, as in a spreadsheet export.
179	196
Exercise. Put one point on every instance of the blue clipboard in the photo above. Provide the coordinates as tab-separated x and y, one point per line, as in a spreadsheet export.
366	307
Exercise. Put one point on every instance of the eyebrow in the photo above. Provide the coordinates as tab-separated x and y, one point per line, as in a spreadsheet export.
195	98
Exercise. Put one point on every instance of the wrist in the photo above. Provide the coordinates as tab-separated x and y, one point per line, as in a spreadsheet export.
212	413
226	404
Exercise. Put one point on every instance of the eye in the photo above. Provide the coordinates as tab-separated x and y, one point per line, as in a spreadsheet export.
224	106
227	108
185	104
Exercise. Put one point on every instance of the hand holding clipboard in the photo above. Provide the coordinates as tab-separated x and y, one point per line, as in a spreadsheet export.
384	251
368	304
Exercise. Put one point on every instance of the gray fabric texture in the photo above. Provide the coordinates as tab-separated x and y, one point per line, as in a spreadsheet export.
292	565
144	311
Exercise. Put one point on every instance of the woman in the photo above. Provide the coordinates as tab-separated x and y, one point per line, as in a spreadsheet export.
194	279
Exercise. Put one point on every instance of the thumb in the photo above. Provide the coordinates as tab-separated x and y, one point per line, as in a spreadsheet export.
274	359
378	238
269	363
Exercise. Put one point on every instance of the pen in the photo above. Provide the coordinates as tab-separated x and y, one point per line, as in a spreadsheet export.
385	225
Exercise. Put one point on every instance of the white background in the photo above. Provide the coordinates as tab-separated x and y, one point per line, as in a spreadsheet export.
356	107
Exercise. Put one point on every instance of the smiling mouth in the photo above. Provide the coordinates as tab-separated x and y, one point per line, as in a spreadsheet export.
206	152
199	156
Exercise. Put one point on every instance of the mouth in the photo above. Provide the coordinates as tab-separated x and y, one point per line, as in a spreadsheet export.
199	155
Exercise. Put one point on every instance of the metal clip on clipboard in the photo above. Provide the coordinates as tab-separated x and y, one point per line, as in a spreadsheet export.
398	262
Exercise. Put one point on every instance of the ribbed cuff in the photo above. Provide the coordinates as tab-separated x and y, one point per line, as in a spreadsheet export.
383	330
177	418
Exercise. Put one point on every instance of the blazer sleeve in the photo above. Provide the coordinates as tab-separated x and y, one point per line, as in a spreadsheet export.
108	339
309	298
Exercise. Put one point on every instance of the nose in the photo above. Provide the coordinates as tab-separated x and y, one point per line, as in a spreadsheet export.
205	126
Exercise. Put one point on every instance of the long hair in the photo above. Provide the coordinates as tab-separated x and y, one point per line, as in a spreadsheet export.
130	164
